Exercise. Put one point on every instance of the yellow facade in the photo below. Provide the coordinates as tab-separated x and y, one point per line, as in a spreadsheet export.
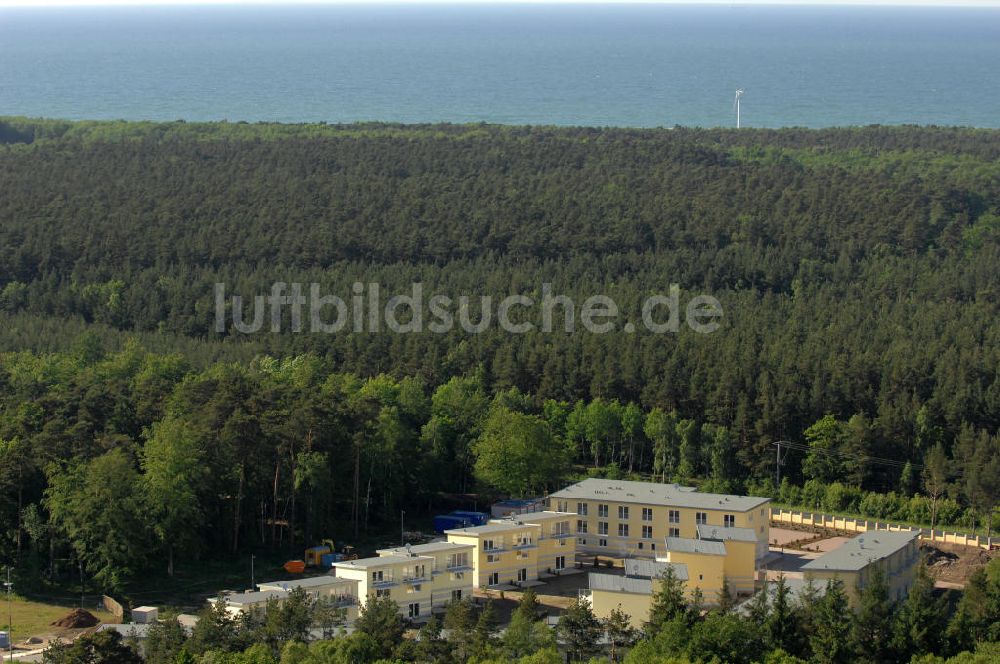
705	572
630	519
518	551
635	605
415	582
896	554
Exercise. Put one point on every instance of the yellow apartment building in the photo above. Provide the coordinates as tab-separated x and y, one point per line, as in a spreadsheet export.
517	551
739	566
451	572
411	579
895	553
705	561
625	519
631	593
342	593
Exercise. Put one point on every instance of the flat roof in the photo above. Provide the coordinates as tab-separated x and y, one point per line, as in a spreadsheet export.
796	589
535	517
620	584
654	493
430	547
381	561
864	549
500	526
721	533
137	630
688	545
654	569
255	597
308	582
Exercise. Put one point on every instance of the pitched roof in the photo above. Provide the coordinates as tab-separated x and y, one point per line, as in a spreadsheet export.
723	534
688	545
654	493
864	549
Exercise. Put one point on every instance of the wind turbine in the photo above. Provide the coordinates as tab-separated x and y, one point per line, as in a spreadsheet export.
736	106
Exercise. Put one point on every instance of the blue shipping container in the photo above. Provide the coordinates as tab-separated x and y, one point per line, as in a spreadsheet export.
445	522
477	518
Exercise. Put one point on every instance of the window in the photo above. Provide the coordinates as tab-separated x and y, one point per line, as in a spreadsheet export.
674	532
494	579
560	562
492	557
562	505
581	509
674	516
701	518
647	513
622	530
581	526
602	527
581	541
414	609
647	532
701	577
415	588
522	574
602	511
488	545
640	546
728	520
653	546
623	512
382	592
456	595
602	542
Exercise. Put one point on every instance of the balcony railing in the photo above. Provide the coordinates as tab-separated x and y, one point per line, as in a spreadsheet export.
413	579
384	582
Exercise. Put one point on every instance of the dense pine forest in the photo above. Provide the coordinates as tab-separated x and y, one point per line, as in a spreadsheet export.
857	269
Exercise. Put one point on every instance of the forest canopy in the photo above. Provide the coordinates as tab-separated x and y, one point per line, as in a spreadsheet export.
856	269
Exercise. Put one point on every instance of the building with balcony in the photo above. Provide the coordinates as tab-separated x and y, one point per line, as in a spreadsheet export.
451	572
896	553
412	580
519	550
341	593
626	519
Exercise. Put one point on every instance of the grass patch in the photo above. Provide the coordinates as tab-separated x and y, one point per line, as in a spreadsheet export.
35	618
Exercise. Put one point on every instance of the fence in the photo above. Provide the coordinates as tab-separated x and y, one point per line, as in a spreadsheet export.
851	525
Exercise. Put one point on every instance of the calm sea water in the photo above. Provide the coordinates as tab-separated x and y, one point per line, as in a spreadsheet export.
634	65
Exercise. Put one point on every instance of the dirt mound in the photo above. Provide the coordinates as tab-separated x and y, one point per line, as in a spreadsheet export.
76	619
937	557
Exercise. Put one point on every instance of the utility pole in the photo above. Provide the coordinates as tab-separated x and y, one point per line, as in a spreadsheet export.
402	537
253	581
10	615
777	467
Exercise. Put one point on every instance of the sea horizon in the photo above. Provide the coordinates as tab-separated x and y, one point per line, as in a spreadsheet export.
642	65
